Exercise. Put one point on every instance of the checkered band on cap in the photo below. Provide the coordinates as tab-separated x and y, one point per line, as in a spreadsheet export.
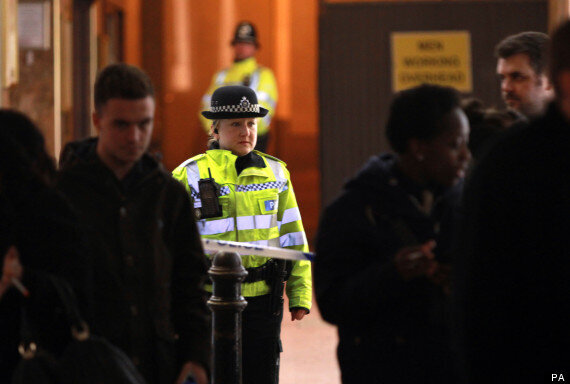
236	108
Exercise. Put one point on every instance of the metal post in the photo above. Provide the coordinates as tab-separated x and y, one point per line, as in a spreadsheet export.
226	304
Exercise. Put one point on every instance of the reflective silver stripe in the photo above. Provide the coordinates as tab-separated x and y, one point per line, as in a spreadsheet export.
278	172
290	215
268	243
267	119
185	163
264	96
290	239
254	80
193	175
221	77
206	99
214	227
256	222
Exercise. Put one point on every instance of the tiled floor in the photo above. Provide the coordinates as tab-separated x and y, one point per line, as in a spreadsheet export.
309	351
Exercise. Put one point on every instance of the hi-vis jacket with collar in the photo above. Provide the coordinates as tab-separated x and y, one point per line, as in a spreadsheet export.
245	72
259	207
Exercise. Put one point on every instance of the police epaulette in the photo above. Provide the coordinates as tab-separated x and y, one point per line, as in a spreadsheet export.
196	157
270	157
190	160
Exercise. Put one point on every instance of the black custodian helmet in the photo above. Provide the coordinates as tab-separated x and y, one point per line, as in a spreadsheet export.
245	33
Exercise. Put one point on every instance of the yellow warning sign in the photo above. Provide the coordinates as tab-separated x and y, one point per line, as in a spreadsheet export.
442	58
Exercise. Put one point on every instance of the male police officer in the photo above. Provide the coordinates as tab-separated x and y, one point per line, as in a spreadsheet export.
520	68
246	71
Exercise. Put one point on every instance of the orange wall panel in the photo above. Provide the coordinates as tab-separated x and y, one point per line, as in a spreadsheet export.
304	59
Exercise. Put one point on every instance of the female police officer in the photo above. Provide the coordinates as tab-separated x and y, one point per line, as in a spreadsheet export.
251	200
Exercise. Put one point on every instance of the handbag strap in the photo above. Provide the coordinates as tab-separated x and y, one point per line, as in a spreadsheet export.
27	347
79	328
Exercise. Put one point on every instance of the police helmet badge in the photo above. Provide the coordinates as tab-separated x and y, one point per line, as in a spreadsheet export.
245	31
244	103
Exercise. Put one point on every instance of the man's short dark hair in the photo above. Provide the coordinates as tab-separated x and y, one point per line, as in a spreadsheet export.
121	81
417	113
559	55
532	44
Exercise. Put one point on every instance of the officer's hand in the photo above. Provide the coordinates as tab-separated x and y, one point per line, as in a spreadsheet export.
412	262
194	369
298	314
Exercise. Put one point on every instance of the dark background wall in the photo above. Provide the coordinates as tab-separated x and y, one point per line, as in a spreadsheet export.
355	71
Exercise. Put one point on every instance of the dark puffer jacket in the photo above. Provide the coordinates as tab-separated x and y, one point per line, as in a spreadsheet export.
148	263
390	331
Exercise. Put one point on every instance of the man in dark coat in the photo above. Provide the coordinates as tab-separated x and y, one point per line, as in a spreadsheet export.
513	276
383	247
148	263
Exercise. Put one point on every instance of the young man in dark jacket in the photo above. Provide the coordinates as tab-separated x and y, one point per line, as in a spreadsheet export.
383	248
147	260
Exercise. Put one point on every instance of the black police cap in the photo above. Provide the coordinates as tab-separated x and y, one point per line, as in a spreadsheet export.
234	102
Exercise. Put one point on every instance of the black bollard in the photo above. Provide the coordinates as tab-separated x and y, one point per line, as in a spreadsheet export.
226	304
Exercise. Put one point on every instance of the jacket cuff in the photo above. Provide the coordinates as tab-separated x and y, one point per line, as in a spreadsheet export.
306	309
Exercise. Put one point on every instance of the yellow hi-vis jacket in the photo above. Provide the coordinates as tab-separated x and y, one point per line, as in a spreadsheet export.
245	72
259	207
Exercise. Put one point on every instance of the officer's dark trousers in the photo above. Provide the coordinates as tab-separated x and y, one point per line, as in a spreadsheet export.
261	342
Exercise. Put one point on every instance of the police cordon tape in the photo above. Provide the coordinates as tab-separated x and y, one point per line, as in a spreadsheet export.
254	249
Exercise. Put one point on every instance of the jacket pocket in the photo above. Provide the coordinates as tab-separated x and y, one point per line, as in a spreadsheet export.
268	203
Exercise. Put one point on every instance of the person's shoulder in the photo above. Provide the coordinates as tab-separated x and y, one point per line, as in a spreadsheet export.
77	152
349	205
512	145
266	74
453	195
507	164
270	158
263	68
172	182
189	161
222	71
